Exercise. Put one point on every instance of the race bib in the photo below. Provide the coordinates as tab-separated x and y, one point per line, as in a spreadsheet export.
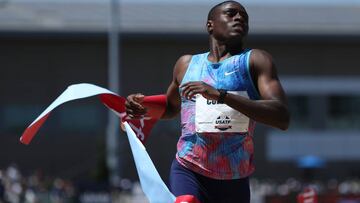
212	117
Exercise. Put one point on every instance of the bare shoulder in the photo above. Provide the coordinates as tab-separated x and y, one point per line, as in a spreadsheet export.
260	58
183	62
185	58
262	63
181	66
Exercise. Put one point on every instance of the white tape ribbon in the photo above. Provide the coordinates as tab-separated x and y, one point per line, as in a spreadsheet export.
152	185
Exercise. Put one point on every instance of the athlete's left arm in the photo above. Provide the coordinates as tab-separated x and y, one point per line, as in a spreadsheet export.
271	108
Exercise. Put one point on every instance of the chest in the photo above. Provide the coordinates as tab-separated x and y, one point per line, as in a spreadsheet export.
225	75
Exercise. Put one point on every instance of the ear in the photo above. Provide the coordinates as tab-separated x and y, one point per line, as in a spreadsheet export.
209	26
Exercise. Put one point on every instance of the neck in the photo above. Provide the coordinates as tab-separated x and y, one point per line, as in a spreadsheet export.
220	51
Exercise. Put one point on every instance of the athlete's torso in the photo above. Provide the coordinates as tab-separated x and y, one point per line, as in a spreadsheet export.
220	155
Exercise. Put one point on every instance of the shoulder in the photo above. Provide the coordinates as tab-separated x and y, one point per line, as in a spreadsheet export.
182	63
260	57
261	62
181	66
184	60
261	65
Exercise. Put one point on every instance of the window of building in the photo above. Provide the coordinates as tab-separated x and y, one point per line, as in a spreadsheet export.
344	112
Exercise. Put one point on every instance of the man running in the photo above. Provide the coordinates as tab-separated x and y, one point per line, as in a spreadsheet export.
221	94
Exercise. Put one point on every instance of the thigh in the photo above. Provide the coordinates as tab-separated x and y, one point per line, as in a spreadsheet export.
184	182
229	191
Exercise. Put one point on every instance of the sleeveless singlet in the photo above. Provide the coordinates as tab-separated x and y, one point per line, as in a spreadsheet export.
219	155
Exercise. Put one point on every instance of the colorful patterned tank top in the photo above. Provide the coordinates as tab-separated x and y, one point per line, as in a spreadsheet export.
220	155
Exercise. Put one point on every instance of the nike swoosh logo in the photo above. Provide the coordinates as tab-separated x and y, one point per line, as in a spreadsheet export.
229	73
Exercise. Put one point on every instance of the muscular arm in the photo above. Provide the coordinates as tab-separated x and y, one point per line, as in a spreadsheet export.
271	108
134	107
173	98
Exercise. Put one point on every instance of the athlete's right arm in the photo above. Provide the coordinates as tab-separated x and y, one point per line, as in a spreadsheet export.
134	108
173	103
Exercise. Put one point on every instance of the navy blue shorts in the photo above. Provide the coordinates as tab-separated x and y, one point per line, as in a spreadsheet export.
186	182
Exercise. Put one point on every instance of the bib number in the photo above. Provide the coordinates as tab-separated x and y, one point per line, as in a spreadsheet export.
212	117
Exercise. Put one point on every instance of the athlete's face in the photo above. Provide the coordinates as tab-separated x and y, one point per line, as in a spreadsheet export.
230	22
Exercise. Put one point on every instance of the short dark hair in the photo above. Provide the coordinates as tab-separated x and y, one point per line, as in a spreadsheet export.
213	9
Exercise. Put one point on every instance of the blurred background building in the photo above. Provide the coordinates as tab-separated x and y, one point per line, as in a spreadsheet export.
47	45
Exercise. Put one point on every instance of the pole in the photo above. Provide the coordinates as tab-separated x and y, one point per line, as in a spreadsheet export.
112	132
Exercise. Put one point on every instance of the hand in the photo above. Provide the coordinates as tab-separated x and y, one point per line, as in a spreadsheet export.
192	88
134	107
